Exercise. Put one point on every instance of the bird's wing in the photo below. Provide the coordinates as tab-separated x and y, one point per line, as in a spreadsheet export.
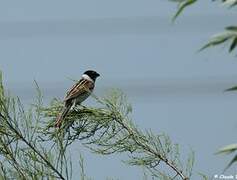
81	87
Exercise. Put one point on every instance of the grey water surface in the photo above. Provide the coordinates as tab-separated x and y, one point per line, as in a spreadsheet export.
135	47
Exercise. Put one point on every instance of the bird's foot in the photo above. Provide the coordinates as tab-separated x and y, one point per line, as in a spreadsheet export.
84	107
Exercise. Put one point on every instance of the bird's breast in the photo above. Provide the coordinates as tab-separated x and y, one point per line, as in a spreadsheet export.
82	97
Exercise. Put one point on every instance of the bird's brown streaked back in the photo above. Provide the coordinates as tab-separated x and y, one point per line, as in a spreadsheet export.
79	88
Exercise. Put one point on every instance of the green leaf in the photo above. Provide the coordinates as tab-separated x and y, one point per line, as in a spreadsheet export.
232	89
182	6
214	42
217	40
230	3
229	35
231	28
231	162
234	4
233	44
204	177
227	149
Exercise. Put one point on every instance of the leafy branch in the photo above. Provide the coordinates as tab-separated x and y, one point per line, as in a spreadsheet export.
32	148
108	129
183	4
229	149
230	33
21	157
228	36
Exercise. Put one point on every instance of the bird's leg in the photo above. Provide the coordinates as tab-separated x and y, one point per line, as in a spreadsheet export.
83	106
73	105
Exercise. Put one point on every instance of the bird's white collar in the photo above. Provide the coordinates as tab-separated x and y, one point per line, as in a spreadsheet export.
85	76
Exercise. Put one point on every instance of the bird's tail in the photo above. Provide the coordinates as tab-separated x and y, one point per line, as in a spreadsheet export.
61	116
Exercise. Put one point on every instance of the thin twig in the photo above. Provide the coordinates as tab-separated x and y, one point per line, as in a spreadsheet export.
31	146
150	150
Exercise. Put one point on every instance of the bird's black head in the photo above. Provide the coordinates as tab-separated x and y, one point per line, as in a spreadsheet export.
92	74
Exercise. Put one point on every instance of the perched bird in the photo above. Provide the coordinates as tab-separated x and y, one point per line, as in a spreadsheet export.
78	93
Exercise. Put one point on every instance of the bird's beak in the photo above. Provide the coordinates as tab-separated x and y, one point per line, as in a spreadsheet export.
97	74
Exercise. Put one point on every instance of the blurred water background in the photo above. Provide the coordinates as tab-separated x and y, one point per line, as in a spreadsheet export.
135	47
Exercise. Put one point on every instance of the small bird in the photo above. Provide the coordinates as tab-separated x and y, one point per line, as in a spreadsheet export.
78	93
